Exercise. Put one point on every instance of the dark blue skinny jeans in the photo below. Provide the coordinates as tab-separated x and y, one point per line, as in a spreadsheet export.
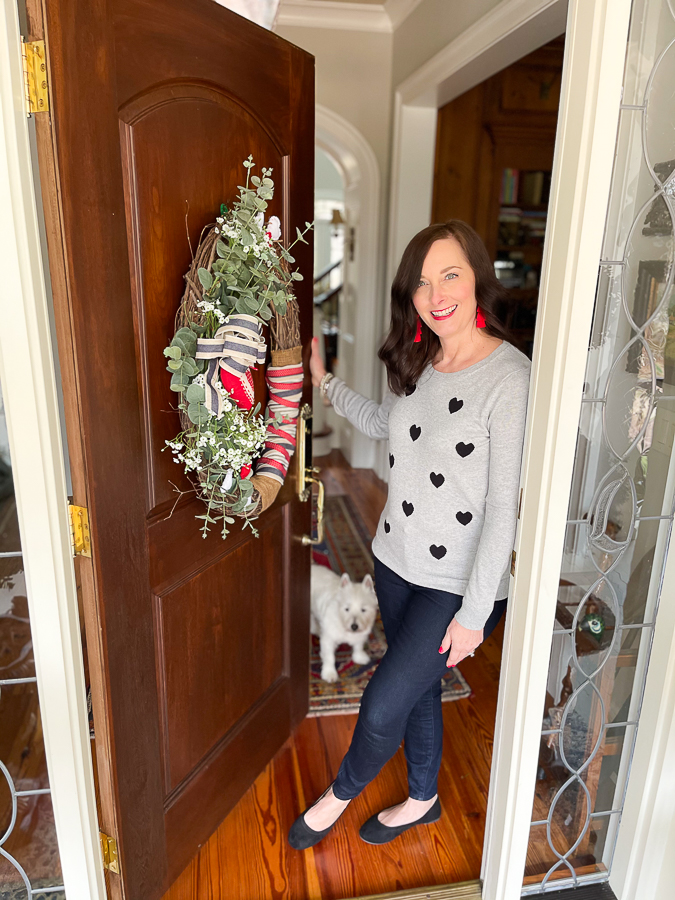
403	699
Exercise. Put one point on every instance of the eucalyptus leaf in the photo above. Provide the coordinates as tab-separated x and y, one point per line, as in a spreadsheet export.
198	413
195	394
179	382
205	277
174	365
172	352
178	344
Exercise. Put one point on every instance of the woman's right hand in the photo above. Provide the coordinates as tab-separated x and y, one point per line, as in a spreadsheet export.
316	366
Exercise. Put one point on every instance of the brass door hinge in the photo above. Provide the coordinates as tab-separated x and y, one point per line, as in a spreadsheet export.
513	563
109	853
79	531
35	76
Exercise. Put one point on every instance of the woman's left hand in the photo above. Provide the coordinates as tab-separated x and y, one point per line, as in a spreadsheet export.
462	642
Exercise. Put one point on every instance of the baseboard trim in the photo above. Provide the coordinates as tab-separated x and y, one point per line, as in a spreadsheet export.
467	890
471	890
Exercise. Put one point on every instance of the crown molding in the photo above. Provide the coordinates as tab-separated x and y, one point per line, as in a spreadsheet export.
399	10
380	17
333	14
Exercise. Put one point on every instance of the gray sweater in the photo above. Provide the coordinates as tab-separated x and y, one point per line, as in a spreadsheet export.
455	447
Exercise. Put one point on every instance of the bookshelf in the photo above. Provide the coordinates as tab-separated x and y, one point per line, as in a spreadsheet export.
494	154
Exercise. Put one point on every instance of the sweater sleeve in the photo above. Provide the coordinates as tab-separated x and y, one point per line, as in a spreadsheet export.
368	416
506	424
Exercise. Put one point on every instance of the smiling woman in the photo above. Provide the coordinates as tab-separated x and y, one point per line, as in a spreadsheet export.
454	417
447	272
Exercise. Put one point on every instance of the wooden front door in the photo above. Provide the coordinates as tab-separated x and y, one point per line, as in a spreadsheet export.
198	649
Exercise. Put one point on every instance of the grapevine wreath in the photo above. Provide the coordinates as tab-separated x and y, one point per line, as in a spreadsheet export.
239	282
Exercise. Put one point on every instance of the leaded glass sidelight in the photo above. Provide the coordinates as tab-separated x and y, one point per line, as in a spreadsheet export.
30	867
623	488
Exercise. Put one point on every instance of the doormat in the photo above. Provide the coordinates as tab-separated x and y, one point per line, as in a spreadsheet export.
346	548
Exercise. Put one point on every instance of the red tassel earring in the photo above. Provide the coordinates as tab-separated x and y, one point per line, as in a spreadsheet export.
418	333
480	318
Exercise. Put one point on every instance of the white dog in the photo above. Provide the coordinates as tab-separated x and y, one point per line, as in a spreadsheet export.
342	613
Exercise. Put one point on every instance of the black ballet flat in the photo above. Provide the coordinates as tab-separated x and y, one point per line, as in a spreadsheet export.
301	836
374	832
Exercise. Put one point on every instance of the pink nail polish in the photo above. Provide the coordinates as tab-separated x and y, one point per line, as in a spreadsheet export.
440	649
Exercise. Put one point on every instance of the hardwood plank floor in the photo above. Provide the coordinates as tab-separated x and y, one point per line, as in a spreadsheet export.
248	857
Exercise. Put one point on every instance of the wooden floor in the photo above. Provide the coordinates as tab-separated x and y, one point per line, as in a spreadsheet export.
248	857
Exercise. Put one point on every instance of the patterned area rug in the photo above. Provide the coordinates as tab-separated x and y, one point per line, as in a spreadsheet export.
346	548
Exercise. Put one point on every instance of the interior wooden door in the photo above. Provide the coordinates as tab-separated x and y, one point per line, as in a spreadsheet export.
198	649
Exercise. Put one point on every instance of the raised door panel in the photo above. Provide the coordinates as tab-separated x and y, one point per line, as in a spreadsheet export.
221	642
183	146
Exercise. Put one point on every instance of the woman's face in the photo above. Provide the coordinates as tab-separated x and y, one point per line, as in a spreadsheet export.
446	295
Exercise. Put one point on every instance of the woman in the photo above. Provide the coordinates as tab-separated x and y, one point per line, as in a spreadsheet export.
455	417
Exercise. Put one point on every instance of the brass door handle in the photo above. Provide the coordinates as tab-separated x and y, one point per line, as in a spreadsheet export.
307	473
307	539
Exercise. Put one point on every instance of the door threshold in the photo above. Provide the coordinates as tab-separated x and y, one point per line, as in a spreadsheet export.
465	890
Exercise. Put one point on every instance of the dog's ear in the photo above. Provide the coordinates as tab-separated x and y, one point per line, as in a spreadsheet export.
344	581
368	583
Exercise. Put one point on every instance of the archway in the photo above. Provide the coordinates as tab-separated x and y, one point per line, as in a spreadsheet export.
361	304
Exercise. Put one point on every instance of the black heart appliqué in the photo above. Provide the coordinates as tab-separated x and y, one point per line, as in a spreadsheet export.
463	518
437	552
408	508
436	480
464	449
455	405
416	431
387	527
391	460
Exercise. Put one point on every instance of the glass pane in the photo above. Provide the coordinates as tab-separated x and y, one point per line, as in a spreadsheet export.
651	32
32	845
16	648
623	580
543	864
623	488
29	856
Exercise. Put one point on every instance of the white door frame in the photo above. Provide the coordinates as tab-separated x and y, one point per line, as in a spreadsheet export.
30	395
358	165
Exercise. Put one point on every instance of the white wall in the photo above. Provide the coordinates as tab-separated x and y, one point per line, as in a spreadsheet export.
429	28
353	78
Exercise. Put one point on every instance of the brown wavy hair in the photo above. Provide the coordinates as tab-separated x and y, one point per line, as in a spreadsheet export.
406	360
